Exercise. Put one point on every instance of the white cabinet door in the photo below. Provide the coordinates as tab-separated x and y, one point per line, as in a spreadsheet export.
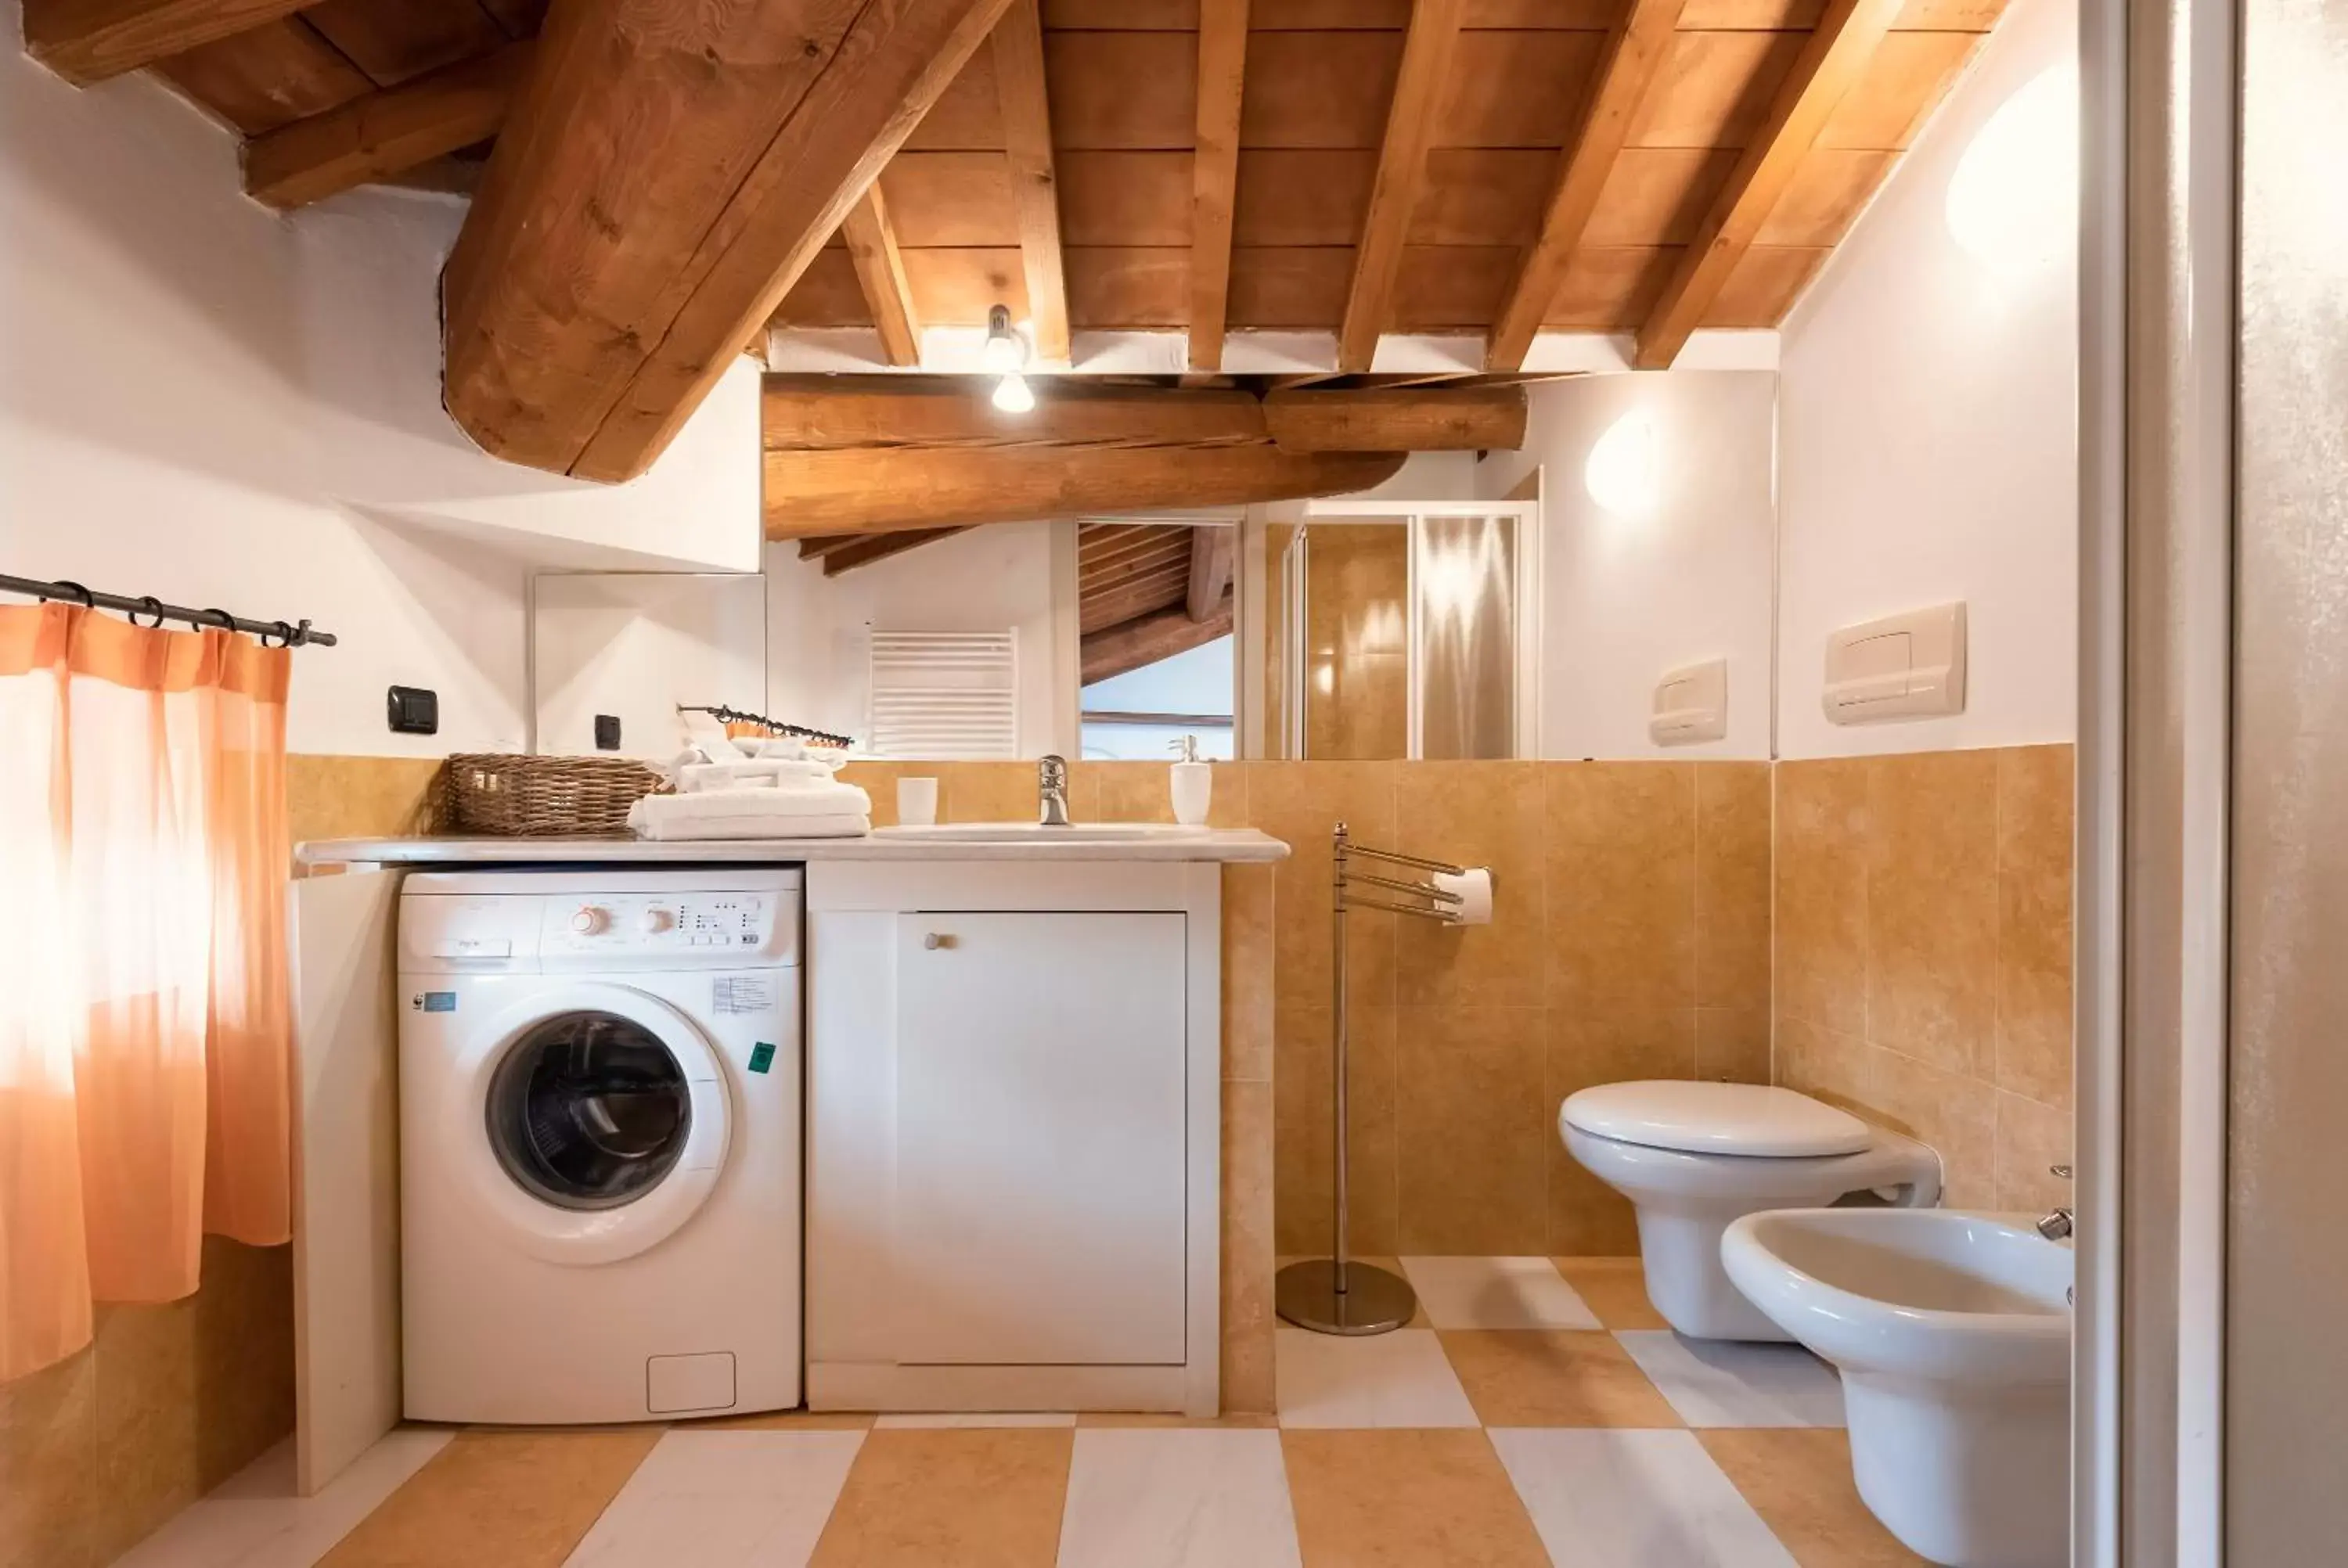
1040	1120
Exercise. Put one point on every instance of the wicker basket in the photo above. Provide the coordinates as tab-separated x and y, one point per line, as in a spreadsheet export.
505	795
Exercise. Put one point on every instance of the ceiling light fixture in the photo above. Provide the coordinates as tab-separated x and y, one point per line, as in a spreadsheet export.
1005	354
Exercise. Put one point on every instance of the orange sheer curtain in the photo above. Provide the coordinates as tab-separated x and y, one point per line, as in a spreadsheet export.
145	1035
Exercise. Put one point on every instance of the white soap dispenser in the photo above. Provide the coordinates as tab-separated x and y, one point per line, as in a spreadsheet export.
1193	785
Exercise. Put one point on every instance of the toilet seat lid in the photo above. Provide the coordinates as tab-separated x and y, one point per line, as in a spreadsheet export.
1699	1118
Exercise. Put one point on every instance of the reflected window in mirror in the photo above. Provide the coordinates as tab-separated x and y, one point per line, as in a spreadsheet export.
1155	614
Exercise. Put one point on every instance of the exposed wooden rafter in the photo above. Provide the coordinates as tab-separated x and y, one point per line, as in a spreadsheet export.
1213	551
864	549
873	243
1830	62
1401	170
86	41
1150	637
386	132
1215	174
883	490
814	412
1636	47
639	222
1034	187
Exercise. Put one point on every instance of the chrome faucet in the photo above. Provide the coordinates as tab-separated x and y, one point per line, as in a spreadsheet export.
1052	784
2057	1225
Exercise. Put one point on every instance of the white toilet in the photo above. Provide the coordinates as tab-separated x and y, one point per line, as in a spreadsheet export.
1692	1156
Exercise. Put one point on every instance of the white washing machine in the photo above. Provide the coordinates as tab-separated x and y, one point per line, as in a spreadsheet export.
599	1144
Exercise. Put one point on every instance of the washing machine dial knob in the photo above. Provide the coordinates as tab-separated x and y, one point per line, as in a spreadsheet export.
653	922
590	920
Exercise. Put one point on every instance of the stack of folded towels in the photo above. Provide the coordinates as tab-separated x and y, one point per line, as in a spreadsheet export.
779	789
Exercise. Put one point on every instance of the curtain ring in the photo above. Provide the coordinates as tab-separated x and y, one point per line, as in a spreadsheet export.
88	599
297	635
226	621
279	629
151	605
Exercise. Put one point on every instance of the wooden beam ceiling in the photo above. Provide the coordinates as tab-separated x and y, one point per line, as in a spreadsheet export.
1215	173
872	241
1150	637
1831	61
642	217
1636	47
86	41
1034	186
864	549
1401	169
1213	551
386	132
882	490
815	412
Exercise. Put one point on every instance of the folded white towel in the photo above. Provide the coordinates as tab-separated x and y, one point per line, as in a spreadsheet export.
664	815
779	773
703	828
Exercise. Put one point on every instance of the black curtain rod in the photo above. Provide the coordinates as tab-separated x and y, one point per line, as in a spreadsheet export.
297	635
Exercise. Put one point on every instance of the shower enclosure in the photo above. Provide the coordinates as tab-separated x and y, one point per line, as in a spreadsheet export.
1401	629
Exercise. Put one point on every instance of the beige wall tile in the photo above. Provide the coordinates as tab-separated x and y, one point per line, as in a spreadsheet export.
1301	803
1799	1479
1144	791
356	797
1302	1136
1820	867
1587	1218
977	1497
148	1421
1248	1252
1406	1499
1732	884
1474	813
1931	907
48	1463
2032	1139
1824	1063
1248	985
1732	1044
2034	815
1471	1130
1620	884
1954	1113
497	1500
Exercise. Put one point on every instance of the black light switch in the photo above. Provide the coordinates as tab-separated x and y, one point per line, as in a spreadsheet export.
607	731
413	711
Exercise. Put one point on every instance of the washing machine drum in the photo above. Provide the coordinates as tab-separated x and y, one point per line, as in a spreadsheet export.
589	1111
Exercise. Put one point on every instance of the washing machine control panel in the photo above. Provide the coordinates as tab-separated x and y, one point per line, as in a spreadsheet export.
714	928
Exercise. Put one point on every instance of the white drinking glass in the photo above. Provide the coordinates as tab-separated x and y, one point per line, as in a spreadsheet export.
917	801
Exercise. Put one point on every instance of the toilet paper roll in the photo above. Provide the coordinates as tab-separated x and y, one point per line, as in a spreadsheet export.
1474	886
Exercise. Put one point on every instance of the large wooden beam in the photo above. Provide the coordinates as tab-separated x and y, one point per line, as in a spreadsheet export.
1401	169
871	547
667	176
815	412
1829	64
872	245
1397	419
1215	173
86	41
823	413
1035	188
880	491
385	133
1636	49
1149	639
1213	551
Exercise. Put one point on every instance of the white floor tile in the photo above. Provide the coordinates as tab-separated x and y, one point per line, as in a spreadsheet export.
724	1500
1722	1383
1177	1499
977	1418
1610	1498
1398	1380
1495	1292
254	1520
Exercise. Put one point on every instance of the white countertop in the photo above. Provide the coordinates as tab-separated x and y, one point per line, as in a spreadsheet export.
1229	844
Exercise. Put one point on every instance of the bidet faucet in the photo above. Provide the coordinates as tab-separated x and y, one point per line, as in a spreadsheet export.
2057	1225
1051	785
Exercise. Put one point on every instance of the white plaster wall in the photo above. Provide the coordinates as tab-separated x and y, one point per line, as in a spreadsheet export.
1626	597
1928	439
205	401
983	580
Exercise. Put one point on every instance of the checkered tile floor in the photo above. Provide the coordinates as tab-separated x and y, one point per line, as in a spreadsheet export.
1536	1411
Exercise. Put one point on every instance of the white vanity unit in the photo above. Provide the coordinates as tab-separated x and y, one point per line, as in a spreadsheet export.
1012	1113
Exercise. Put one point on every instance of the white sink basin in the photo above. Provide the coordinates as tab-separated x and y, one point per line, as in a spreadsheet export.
1952	1335
1035	833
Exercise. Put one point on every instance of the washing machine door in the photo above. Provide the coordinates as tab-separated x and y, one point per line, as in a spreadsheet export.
602	1122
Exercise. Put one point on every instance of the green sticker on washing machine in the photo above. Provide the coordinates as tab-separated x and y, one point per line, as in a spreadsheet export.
762	1057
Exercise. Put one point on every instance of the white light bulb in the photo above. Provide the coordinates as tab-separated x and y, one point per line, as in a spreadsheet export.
1625	472
1014	396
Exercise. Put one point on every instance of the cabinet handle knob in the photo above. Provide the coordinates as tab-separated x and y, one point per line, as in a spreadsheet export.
935	940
